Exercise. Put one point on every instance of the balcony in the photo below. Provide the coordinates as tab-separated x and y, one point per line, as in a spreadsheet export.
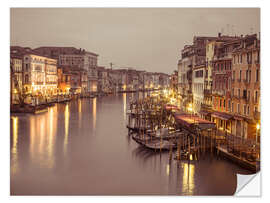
207	92
206	106
246	99
219	92
246	82
257	115
256	101
236	97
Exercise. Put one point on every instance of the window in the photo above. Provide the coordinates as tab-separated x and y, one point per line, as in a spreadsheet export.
247	73
26	67
233	75
232	91
240	75
256	96
229	105
232	107
257	75
244	109
224	103
248	110
238	108
241	58
239	93
26	79
244	93
248	94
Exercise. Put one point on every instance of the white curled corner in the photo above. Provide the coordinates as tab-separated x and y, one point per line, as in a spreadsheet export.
248	185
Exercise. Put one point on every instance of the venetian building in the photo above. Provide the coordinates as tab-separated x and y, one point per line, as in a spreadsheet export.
246	87
40	75
16	74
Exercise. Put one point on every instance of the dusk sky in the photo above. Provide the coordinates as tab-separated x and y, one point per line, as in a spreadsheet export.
142	38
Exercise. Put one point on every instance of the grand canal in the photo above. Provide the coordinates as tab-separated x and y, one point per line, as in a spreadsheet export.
83	148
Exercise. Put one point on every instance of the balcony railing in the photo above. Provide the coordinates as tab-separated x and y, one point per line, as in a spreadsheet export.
207	92
257	115
245	98
256	100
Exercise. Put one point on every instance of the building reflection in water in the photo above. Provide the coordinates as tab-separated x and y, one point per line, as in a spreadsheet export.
52	133
125	105
66	128
94	113
188	179
42	144
80	112
14	150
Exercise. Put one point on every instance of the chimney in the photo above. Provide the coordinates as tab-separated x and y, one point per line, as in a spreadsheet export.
219	34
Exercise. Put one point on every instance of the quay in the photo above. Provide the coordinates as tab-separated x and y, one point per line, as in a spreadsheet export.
158	124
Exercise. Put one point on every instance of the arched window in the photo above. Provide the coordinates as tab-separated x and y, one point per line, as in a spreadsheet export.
26	79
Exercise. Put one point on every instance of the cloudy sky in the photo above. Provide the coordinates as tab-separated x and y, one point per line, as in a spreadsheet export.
144	38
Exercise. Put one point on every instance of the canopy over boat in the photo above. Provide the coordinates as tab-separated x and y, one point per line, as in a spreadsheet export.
188	120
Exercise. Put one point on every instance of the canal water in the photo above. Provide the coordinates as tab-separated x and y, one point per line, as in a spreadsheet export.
83	148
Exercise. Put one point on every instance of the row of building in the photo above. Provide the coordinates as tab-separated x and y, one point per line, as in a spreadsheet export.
220	77
50	71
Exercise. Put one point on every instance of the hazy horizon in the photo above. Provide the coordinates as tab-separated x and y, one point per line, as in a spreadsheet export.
143	38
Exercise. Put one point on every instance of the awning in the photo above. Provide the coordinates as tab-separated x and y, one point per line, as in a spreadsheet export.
204	112
243	118
188	120
171	107
222	115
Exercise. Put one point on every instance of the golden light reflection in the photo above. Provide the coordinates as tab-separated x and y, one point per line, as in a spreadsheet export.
80	112
188	179
14	150
80	106
125	105
94	112
42	134
41	143
51	138
32	136
168	169
66	127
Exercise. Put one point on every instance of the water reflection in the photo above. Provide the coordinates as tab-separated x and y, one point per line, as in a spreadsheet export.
112	160
66	128
94	113
125	105
188	178
43	129
80	112
14	150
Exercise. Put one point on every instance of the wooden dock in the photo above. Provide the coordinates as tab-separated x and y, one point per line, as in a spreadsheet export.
252	166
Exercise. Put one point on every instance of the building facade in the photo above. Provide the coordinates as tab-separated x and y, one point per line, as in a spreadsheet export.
246	87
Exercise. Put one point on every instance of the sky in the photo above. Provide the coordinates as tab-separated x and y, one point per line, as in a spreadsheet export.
148	39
